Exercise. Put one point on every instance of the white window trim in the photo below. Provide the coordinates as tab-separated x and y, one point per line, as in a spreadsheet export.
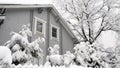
58	30
35	26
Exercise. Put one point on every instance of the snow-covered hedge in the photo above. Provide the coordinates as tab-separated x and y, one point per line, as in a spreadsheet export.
45	66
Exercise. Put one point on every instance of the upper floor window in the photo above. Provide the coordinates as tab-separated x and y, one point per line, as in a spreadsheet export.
54	32
39	26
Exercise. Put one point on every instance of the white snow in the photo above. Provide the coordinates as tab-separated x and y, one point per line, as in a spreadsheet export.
15	48
54	57
68	58
19	55
5	55
35	47
26	1
82	52
46	66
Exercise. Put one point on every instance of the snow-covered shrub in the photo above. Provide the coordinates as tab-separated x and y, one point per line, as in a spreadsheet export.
25	31
111	59
5	56
54	50
16	47
22	49
51	51
20	57
20	38
35	49
68	58
81	53
54	58
88	55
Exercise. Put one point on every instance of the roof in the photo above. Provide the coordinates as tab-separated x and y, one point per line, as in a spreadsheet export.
54	10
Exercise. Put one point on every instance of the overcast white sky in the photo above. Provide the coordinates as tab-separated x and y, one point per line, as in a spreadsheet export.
26	1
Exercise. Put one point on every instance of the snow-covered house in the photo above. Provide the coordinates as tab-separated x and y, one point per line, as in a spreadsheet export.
45	21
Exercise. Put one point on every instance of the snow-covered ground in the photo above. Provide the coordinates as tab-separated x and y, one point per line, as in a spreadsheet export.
41	66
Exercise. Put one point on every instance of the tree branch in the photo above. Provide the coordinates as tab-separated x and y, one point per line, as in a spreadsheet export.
90	34
97	10
66	8
79	33
99	32
83	31
100	29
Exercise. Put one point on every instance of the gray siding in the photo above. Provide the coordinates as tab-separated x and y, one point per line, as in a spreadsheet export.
53	22
15	18
67	41
42	16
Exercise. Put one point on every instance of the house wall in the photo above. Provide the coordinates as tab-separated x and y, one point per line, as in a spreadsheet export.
42	16
54	23
15	18
67	42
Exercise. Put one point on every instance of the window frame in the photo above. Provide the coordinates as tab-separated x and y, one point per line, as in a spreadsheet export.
58	29
36	20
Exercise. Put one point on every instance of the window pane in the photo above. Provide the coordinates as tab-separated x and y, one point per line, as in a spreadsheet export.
54	32
39	26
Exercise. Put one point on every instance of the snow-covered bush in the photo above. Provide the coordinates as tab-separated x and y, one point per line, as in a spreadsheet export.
22	49
54	58
54	50
17	39
20	38
16	47
35	49
96	56
81	53
20	57
5	56
68	58
111	59
89	55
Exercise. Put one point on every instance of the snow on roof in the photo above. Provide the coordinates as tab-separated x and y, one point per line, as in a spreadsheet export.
25	1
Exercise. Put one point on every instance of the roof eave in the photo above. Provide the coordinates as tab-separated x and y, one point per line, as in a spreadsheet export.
25	5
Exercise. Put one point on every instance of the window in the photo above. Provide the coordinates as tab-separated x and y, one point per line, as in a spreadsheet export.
39	26
54	32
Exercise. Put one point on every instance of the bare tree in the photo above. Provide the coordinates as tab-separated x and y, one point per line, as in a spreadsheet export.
91	13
